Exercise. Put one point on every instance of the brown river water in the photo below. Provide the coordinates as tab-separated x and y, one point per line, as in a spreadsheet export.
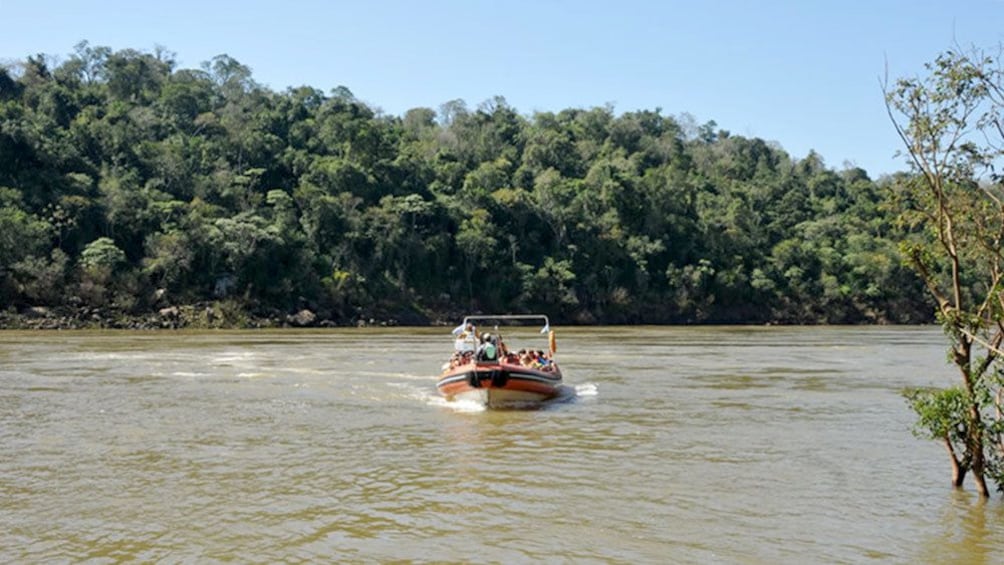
672	445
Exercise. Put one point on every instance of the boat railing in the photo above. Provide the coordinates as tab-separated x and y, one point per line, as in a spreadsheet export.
506	318
469	337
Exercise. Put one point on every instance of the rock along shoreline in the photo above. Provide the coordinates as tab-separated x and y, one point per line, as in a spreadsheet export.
191	316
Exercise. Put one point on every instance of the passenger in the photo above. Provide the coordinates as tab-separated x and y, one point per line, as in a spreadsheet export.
466	339
463	343
525	358
541	361
533	361
459	358
487	350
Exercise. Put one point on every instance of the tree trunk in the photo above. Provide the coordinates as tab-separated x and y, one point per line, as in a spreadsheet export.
974	434
975	441
958	473
981	484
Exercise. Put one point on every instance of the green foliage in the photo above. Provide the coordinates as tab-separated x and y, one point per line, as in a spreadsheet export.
41	280
21	234
550	286
205	185
941	413
102	253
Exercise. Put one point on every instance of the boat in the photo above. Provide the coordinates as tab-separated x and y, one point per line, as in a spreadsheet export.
487	369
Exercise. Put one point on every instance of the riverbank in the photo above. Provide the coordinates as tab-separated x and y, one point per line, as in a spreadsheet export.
229	314
214	315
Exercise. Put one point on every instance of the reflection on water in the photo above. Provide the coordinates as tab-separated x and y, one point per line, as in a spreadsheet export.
752	445
970	530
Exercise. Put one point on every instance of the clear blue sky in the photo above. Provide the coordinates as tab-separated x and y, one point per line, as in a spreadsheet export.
805	74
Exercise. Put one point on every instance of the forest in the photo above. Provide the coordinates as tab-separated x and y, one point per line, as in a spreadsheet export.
134	193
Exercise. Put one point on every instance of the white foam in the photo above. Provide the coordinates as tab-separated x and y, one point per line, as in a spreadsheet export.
465	406
235	359
414	377
188	374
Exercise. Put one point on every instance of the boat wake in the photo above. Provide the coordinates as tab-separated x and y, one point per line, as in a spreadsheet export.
460	406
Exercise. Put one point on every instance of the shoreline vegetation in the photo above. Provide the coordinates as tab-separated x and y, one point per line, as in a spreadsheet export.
193	316
136	194
210	315
228	316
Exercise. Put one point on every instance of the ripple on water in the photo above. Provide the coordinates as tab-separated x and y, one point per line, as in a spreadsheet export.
704	444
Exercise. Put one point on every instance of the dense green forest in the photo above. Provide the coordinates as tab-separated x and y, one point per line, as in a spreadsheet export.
134	190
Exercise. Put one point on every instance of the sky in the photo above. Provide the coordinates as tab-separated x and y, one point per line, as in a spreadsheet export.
804	74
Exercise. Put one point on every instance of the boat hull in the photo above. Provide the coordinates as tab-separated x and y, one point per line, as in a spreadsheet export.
497	384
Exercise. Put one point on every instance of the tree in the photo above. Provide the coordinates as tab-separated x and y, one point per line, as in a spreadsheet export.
132	75
953	207
478	244
22	237
99	261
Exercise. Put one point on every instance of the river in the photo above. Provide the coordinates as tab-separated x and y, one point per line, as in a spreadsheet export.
678	444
